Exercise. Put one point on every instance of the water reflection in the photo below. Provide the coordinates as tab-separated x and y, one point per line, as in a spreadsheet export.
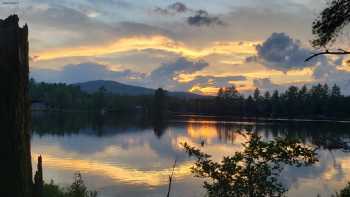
129	156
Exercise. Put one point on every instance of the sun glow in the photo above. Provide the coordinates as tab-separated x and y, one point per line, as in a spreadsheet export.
204	131
209	90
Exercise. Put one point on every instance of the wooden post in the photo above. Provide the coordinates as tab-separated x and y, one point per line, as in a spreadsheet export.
15	157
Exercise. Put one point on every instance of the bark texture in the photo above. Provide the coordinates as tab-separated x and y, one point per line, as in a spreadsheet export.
14	110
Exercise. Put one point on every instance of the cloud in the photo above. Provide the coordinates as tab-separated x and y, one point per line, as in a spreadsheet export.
329	72
209	85
281	52
198	18
266	84
67	26
169	76
165	76
75	73
217	81
172	9
139	43
178	7
202	18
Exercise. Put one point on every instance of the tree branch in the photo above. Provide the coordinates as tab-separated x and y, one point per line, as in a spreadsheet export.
171	179
339	52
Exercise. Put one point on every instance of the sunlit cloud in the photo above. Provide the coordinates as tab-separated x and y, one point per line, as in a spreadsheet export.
232	62
209	90
156	42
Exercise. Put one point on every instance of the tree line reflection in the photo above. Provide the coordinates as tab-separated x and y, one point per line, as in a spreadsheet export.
326	135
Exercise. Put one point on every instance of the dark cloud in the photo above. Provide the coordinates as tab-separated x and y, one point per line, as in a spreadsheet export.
178	7
210	81
202	18
218	81
180	66
75	73
165	75
168	74
327	72
198	18
266	84
172	9
281	52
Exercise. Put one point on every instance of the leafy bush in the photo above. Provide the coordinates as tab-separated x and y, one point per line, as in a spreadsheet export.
77	189
254	171
344	192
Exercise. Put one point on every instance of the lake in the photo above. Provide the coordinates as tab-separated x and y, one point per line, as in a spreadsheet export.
126	156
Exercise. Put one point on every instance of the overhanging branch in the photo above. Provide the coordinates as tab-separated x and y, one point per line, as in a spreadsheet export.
339	52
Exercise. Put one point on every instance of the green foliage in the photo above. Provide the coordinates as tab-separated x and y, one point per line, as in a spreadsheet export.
52	190
252	172
331	22
77	189
344	192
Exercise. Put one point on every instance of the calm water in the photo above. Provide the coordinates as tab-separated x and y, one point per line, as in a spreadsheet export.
127	156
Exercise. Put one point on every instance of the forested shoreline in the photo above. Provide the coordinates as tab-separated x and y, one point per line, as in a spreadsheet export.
64	97
318	102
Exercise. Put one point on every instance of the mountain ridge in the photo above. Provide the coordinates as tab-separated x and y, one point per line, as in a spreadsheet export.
115	87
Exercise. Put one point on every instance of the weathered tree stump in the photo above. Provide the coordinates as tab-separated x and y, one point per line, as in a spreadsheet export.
16	168
38	179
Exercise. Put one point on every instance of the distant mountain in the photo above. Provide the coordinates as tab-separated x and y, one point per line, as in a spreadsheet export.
123	89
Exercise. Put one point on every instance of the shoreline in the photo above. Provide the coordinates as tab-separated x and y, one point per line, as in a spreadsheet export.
221	118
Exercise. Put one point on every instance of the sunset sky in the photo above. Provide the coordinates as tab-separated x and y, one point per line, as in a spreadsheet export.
189	45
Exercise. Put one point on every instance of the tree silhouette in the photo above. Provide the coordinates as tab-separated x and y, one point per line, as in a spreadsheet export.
160	104
345	192
78	188
38	179
15	109
329	25
252	172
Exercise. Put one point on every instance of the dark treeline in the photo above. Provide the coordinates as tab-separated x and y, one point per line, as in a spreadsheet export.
319	101
60	96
